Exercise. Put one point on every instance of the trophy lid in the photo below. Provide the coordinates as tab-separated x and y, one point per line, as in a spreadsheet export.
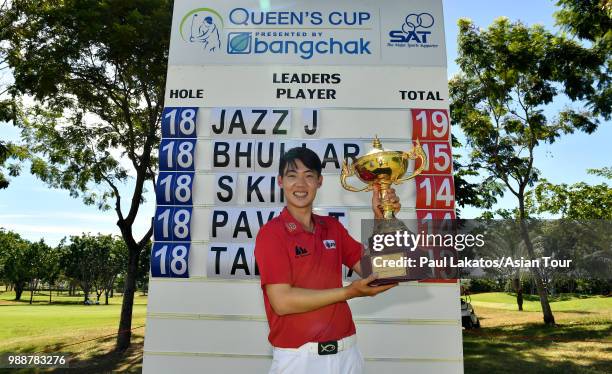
376	146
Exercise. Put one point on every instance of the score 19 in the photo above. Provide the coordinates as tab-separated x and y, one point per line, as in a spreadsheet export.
430	124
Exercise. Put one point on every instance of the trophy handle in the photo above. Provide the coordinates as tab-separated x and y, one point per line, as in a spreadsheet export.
415	153
348	171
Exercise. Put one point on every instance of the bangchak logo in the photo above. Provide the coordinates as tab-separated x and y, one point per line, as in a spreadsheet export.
415	32
203	26
302	33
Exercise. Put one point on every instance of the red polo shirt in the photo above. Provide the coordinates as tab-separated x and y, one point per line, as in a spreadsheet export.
286	253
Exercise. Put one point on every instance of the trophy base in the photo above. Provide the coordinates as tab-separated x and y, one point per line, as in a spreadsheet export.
389	226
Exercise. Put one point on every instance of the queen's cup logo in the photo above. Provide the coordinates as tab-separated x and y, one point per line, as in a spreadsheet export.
203	26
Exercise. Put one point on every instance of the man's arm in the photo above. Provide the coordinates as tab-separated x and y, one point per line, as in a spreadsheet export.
286	299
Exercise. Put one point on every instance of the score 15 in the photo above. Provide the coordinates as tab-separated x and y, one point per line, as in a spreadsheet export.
430	124
439	158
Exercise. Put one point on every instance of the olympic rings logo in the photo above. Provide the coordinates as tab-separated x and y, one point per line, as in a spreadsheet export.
413	21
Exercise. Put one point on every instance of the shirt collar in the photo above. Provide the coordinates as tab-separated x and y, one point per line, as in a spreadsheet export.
294	227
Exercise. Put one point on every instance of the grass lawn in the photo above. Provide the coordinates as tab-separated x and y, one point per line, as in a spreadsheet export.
517	342
508	342
86	331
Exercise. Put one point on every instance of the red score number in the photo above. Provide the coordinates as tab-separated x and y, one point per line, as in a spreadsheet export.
430	124
434	221
439	159
435	192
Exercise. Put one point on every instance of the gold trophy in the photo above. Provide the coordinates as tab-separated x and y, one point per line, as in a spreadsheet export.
384	167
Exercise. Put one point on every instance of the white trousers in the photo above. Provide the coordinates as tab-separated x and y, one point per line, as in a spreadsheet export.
348	361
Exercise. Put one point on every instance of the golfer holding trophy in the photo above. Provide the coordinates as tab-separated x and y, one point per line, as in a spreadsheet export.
300	256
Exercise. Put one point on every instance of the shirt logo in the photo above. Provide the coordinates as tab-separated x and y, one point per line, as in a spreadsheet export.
329	244
300	252
328	348
291	226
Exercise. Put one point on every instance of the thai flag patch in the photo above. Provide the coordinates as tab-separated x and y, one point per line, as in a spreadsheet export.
329	244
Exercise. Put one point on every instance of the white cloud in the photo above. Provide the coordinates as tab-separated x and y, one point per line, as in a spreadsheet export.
57	229
69	216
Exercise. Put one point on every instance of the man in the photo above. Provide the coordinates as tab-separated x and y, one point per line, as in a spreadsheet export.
300	257
207	34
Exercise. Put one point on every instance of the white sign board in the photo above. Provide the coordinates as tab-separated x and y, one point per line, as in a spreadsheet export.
248	80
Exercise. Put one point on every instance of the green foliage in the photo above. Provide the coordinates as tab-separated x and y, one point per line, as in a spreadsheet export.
576	201
13	264
96	70
509	73
483	285
23	263
591	20
588	19
94	262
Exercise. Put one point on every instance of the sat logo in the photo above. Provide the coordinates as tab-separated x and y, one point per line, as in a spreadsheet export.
414	29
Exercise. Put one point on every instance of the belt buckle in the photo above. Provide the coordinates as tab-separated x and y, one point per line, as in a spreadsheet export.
328	348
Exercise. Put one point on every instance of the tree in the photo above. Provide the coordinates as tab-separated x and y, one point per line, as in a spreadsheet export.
8	150
94	262
52	270
78	264
16	269
481	194
503	240
109	258
36	255
509	72
98	85
591	20
579	201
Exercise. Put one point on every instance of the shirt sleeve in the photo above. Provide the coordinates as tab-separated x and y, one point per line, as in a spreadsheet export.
272	258
352	250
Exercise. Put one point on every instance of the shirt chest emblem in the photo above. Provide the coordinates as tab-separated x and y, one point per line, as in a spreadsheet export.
300	251
329	244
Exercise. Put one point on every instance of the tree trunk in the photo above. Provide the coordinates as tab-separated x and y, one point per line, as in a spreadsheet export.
86	292
549	319
518	288
18	291
50	293
106	297
124	334
33	286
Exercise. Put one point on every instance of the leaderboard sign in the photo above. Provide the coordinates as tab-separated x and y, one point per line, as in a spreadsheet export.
248	80
225	127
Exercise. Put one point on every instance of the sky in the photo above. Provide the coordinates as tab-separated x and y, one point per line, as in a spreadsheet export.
34	211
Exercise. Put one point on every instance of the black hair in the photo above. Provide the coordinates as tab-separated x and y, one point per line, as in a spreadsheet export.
308	157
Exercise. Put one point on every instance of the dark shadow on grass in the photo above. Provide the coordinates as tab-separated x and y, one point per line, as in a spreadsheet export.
511	349
101	358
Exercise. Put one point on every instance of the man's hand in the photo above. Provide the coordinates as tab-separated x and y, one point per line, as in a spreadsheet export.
377	201
360	287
